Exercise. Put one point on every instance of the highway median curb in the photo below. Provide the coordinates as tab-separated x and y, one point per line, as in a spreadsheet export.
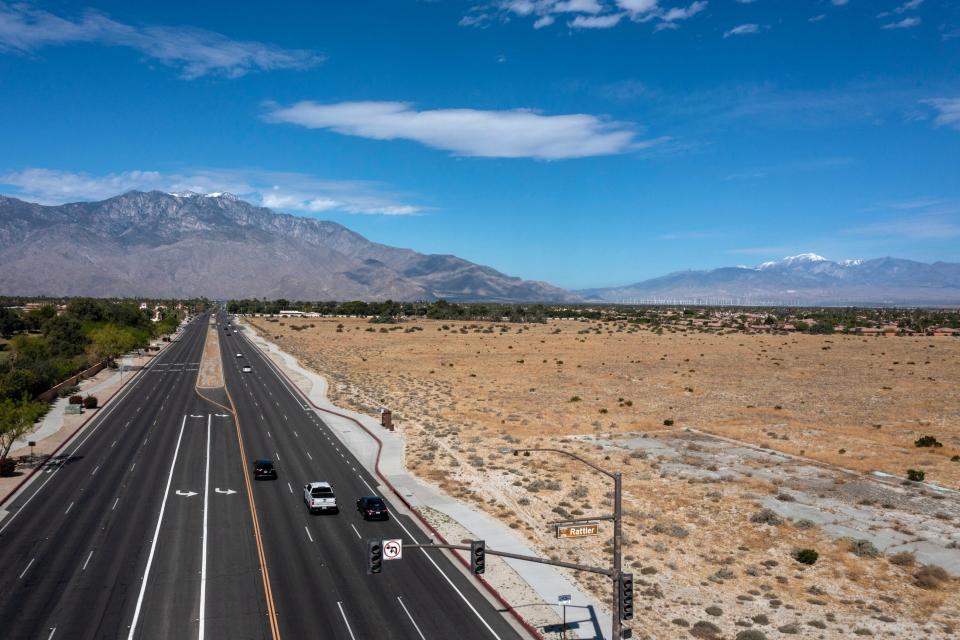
529	628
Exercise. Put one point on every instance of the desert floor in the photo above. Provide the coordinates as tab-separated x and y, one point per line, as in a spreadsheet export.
736	450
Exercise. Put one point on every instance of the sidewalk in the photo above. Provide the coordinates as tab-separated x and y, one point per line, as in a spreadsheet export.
530	587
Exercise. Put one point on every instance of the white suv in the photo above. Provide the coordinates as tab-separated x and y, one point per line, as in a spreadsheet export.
319	497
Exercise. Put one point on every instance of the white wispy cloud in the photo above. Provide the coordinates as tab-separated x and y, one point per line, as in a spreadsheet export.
926	227
906	23
588	14
275	189
742	29
596	22
517	133
948	111
195	52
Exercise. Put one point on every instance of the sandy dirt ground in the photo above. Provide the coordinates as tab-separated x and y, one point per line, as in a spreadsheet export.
210	375
737	451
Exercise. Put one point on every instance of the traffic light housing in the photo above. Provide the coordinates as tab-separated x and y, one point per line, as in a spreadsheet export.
626	596
478	552
374	556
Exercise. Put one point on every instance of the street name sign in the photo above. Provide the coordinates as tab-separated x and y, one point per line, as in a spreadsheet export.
577	530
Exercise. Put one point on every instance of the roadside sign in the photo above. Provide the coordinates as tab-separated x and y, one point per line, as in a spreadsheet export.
564	599
577	530
392	549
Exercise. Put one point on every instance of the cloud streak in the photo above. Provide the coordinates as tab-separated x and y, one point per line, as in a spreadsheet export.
195	52
586	14
517	133
948	112
275	189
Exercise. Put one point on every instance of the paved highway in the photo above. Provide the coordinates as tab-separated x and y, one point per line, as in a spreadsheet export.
143	528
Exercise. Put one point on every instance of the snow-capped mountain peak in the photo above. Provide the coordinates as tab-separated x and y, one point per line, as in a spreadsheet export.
790	261
850	263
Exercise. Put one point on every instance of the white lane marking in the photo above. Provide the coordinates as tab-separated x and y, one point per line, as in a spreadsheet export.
308	533
297	435
364	480
309	456
277	455
113	444
115	504
27	569
156	534
412	621
340	604
203	561
95	469
289	487
52	631
132	466
88	561
268	435
355	531
68	509
447	578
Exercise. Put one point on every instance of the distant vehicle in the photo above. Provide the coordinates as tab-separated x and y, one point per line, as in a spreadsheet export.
373	508
263	469
319	496
246	368
239	355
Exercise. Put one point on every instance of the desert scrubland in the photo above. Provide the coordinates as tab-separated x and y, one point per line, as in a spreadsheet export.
737	451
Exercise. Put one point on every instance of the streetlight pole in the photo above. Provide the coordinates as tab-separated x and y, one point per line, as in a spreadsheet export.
616	630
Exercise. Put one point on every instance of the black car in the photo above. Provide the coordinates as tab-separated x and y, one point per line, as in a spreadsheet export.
264	470
372	508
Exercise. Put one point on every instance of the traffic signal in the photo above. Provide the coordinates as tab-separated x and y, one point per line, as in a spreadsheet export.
478	552
374	557
626	596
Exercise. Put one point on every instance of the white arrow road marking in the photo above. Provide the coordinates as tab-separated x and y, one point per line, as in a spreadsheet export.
186	493
193	416
225	492
222	415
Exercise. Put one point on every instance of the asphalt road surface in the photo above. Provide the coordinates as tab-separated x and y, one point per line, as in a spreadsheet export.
144	526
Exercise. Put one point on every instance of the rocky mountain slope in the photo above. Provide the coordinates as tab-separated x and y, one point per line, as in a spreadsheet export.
804	279
182	245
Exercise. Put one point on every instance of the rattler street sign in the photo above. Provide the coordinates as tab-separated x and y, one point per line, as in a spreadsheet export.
577	530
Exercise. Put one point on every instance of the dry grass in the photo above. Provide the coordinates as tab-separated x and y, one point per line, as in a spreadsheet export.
462	390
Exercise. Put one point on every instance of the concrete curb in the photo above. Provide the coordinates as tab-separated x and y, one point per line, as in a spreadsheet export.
490	589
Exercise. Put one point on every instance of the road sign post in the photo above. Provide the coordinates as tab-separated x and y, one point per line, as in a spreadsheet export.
563	601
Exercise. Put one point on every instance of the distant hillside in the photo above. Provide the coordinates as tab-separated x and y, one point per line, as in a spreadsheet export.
184	245
807	279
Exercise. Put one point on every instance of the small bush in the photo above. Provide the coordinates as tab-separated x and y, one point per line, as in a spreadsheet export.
864	549
90	402
903	559
668	422
76	399
766	516
7	466
575	399
913	475
927	441
806	556
930	577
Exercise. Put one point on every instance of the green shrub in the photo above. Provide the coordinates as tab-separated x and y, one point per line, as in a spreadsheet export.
927	441
913	475
668	422
806	556
90	402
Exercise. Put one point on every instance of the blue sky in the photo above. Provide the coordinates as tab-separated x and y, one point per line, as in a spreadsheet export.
582	142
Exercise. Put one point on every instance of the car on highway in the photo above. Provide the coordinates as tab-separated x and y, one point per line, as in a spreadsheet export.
263	469
246	368
319	497
239	355
373	508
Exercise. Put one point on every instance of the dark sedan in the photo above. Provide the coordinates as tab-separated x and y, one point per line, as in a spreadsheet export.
264	470
372	508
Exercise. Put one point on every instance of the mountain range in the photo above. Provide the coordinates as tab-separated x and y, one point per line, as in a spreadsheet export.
155	244
805	279
179	245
